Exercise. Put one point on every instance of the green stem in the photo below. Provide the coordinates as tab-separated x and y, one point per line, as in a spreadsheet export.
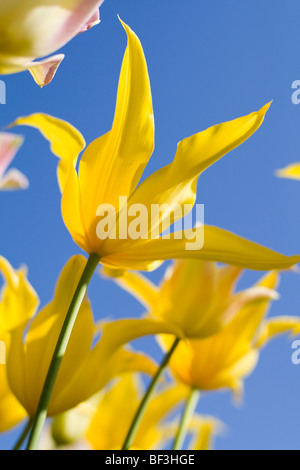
143	405
60	350
23	436
187	415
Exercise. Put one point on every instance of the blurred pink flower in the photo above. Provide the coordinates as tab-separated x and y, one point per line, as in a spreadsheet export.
32	29
12	179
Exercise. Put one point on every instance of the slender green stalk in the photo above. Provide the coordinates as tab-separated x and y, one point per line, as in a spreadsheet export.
60	350
23	436
187	415
143	405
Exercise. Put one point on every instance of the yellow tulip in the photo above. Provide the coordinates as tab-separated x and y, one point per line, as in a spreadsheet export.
85	368
225	359
18	301
11	179
102	422
111	168
31	29
119	404
194	300
291	171
205	429
108	417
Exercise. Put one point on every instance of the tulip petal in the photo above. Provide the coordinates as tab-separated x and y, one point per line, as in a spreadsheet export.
13	180
120	332
66	142
175	185
82	16
33	29
28	361
11	412
118	404
247	297
96	373
9	146
219	245
276	326
43	71
92	21
19	301
291	171
113	164
205	429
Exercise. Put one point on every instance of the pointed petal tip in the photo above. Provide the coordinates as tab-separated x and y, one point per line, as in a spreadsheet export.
265	108
125	26
44	71
290	172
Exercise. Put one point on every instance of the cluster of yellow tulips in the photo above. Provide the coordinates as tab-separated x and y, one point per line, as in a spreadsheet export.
58	362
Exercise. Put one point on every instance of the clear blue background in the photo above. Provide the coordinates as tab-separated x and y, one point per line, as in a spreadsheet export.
208	62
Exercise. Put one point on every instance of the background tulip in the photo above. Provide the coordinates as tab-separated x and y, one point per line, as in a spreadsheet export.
225	359
18	301
12	179
33	29
86	368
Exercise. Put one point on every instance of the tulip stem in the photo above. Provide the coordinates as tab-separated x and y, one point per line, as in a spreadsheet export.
23	436
63	340
143	405
187	415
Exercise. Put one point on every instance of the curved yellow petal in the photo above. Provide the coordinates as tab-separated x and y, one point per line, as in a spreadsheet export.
29	358
66	142
277	326
120	332
18	301
291	171
72	212
11	411
117	405
217	245
176	184
113	164
205	429
96	372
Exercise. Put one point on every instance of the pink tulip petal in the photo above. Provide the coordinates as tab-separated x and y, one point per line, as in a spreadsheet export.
43	71
80	19
93	21
9	146
13	180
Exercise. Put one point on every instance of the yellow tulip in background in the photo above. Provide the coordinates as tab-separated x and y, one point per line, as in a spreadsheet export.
195	298
92	424
225	359
221	331
291	172
117	404
85	369
18	302
31	29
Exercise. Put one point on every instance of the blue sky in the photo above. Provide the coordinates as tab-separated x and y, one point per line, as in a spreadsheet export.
208	62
